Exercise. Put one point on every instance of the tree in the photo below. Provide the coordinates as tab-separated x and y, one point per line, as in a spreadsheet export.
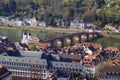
32	47
12	5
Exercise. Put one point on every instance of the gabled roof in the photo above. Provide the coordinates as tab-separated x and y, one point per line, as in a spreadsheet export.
110	69
29	60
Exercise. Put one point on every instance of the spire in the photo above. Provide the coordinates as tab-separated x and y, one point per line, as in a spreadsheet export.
29	35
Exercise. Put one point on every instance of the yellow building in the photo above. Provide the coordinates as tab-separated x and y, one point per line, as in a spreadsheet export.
109	27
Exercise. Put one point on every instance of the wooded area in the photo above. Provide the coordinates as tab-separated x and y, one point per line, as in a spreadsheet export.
99	12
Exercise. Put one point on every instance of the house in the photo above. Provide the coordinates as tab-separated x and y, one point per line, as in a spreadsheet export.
34	64
110	73
33	22
78	24
110	27
42	23
4	21
93	64
90	26
109	52
61	23
11	22
27	21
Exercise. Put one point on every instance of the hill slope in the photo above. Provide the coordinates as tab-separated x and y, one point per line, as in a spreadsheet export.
97	11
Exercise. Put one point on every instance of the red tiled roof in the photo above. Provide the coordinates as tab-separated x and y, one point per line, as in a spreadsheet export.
111	49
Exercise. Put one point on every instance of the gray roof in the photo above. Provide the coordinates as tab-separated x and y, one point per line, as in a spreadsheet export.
29	60
66	66
34	54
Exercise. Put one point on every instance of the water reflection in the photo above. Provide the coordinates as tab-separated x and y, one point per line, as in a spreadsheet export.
16	35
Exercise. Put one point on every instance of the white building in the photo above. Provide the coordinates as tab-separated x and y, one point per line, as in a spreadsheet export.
15	22
77	23
93	64
42	23
26	37
1	21
33	22
34	64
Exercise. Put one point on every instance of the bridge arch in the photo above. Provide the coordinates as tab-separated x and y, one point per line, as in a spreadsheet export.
70	39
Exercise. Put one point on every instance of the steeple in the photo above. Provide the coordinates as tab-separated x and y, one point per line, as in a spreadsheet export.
24	35
28	35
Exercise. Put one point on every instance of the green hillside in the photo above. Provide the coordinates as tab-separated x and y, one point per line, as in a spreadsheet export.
99	12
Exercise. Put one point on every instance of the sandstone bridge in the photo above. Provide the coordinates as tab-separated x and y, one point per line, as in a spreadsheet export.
71	39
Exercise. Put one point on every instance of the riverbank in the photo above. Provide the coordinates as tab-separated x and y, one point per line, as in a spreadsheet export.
41	29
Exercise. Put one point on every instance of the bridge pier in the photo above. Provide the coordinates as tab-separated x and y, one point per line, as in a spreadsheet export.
80	39
52	43
62	42
93	38
71	40
87	35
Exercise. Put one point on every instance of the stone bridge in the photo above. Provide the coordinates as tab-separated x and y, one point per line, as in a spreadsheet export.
70	39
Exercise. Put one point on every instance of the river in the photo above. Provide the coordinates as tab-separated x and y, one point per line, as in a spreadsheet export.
16	35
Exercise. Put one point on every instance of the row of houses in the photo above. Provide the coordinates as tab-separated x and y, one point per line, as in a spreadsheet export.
76	23
33	22
83	58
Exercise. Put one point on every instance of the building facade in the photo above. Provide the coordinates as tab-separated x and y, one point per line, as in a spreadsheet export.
37	65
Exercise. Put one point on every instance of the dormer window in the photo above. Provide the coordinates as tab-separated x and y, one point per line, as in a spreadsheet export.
29	61
36	61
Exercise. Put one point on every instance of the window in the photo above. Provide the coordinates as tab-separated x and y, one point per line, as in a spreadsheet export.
80	70
16	59
10	63
60	68
66	68
76	69
2	62
24	64
73	69
53	67
29	61
27	65
16	64
75	65
36	61
5	62
19	64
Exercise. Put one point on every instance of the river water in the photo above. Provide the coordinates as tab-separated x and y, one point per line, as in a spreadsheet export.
16	35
